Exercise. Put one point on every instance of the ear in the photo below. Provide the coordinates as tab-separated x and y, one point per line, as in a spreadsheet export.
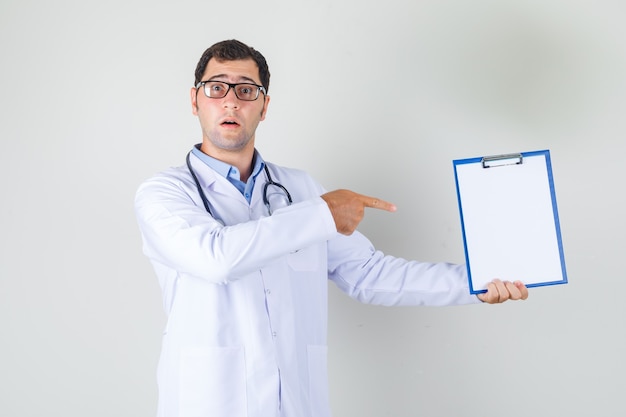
194	100
265	104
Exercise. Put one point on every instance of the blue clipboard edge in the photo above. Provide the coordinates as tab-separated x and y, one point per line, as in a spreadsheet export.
557	223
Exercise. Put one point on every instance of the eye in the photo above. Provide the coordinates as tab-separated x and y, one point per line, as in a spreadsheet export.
246	91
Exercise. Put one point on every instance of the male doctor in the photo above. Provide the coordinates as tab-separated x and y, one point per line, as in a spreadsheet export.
243	250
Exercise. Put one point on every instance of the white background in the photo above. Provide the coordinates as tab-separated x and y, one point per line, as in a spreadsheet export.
378	97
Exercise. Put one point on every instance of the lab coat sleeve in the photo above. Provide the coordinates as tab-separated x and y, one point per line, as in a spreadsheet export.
181	235
372	277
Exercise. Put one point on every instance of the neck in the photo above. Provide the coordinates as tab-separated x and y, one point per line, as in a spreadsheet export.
240	159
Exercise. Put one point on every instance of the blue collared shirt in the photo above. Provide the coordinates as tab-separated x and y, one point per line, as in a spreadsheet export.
231	173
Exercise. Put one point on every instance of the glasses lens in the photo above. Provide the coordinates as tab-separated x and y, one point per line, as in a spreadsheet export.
248	92
215	89
276	198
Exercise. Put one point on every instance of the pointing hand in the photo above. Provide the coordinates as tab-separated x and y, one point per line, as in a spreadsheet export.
348	208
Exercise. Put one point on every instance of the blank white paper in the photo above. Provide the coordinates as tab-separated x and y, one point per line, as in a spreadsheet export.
510	222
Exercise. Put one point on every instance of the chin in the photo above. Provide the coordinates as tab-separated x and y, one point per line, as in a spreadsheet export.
230	145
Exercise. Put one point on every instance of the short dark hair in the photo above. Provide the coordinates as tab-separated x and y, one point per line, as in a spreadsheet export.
233	50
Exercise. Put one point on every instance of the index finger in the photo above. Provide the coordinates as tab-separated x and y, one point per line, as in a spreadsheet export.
377	203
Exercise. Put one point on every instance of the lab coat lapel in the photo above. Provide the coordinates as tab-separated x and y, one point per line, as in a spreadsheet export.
257	207
223	197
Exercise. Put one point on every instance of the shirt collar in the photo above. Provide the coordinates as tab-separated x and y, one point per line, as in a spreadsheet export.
226	170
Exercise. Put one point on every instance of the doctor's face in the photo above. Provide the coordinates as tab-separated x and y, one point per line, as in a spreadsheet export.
229	123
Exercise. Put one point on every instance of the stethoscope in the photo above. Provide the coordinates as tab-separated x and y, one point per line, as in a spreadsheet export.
269	182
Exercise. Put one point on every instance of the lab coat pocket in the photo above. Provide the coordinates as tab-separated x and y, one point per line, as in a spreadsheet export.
305	259
212	382
318	381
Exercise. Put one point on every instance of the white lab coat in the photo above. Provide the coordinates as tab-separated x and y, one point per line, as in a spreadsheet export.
247	302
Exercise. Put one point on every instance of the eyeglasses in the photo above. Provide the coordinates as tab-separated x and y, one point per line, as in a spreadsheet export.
243	91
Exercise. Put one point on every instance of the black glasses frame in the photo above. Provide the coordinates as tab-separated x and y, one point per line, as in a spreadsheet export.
259	89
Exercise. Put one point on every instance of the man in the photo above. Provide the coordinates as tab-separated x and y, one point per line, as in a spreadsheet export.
243	250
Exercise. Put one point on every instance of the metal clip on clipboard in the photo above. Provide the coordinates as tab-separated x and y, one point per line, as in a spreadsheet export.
502	160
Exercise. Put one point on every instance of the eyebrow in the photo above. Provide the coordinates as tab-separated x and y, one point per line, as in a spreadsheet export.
240	79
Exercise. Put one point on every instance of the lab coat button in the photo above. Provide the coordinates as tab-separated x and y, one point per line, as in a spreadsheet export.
274	334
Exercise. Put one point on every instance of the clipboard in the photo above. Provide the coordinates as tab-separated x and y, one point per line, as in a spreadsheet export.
510	221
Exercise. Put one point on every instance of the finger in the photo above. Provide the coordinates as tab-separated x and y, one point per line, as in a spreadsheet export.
514	292
484	297
502	293
522	289
497	292
377	203
491	296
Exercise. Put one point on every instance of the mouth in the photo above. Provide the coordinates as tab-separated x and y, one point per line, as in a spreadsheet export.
229	123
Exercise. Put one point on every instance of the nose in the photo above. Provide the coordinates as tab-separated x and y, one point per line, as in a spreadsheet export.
230	100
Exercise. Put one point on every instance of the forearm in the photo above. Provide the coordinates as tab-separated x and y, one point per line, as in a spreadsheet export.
184	237
371	277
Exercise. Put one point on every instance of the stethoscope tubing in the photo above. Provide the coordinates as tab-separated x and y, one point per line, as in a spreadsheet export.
269	181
